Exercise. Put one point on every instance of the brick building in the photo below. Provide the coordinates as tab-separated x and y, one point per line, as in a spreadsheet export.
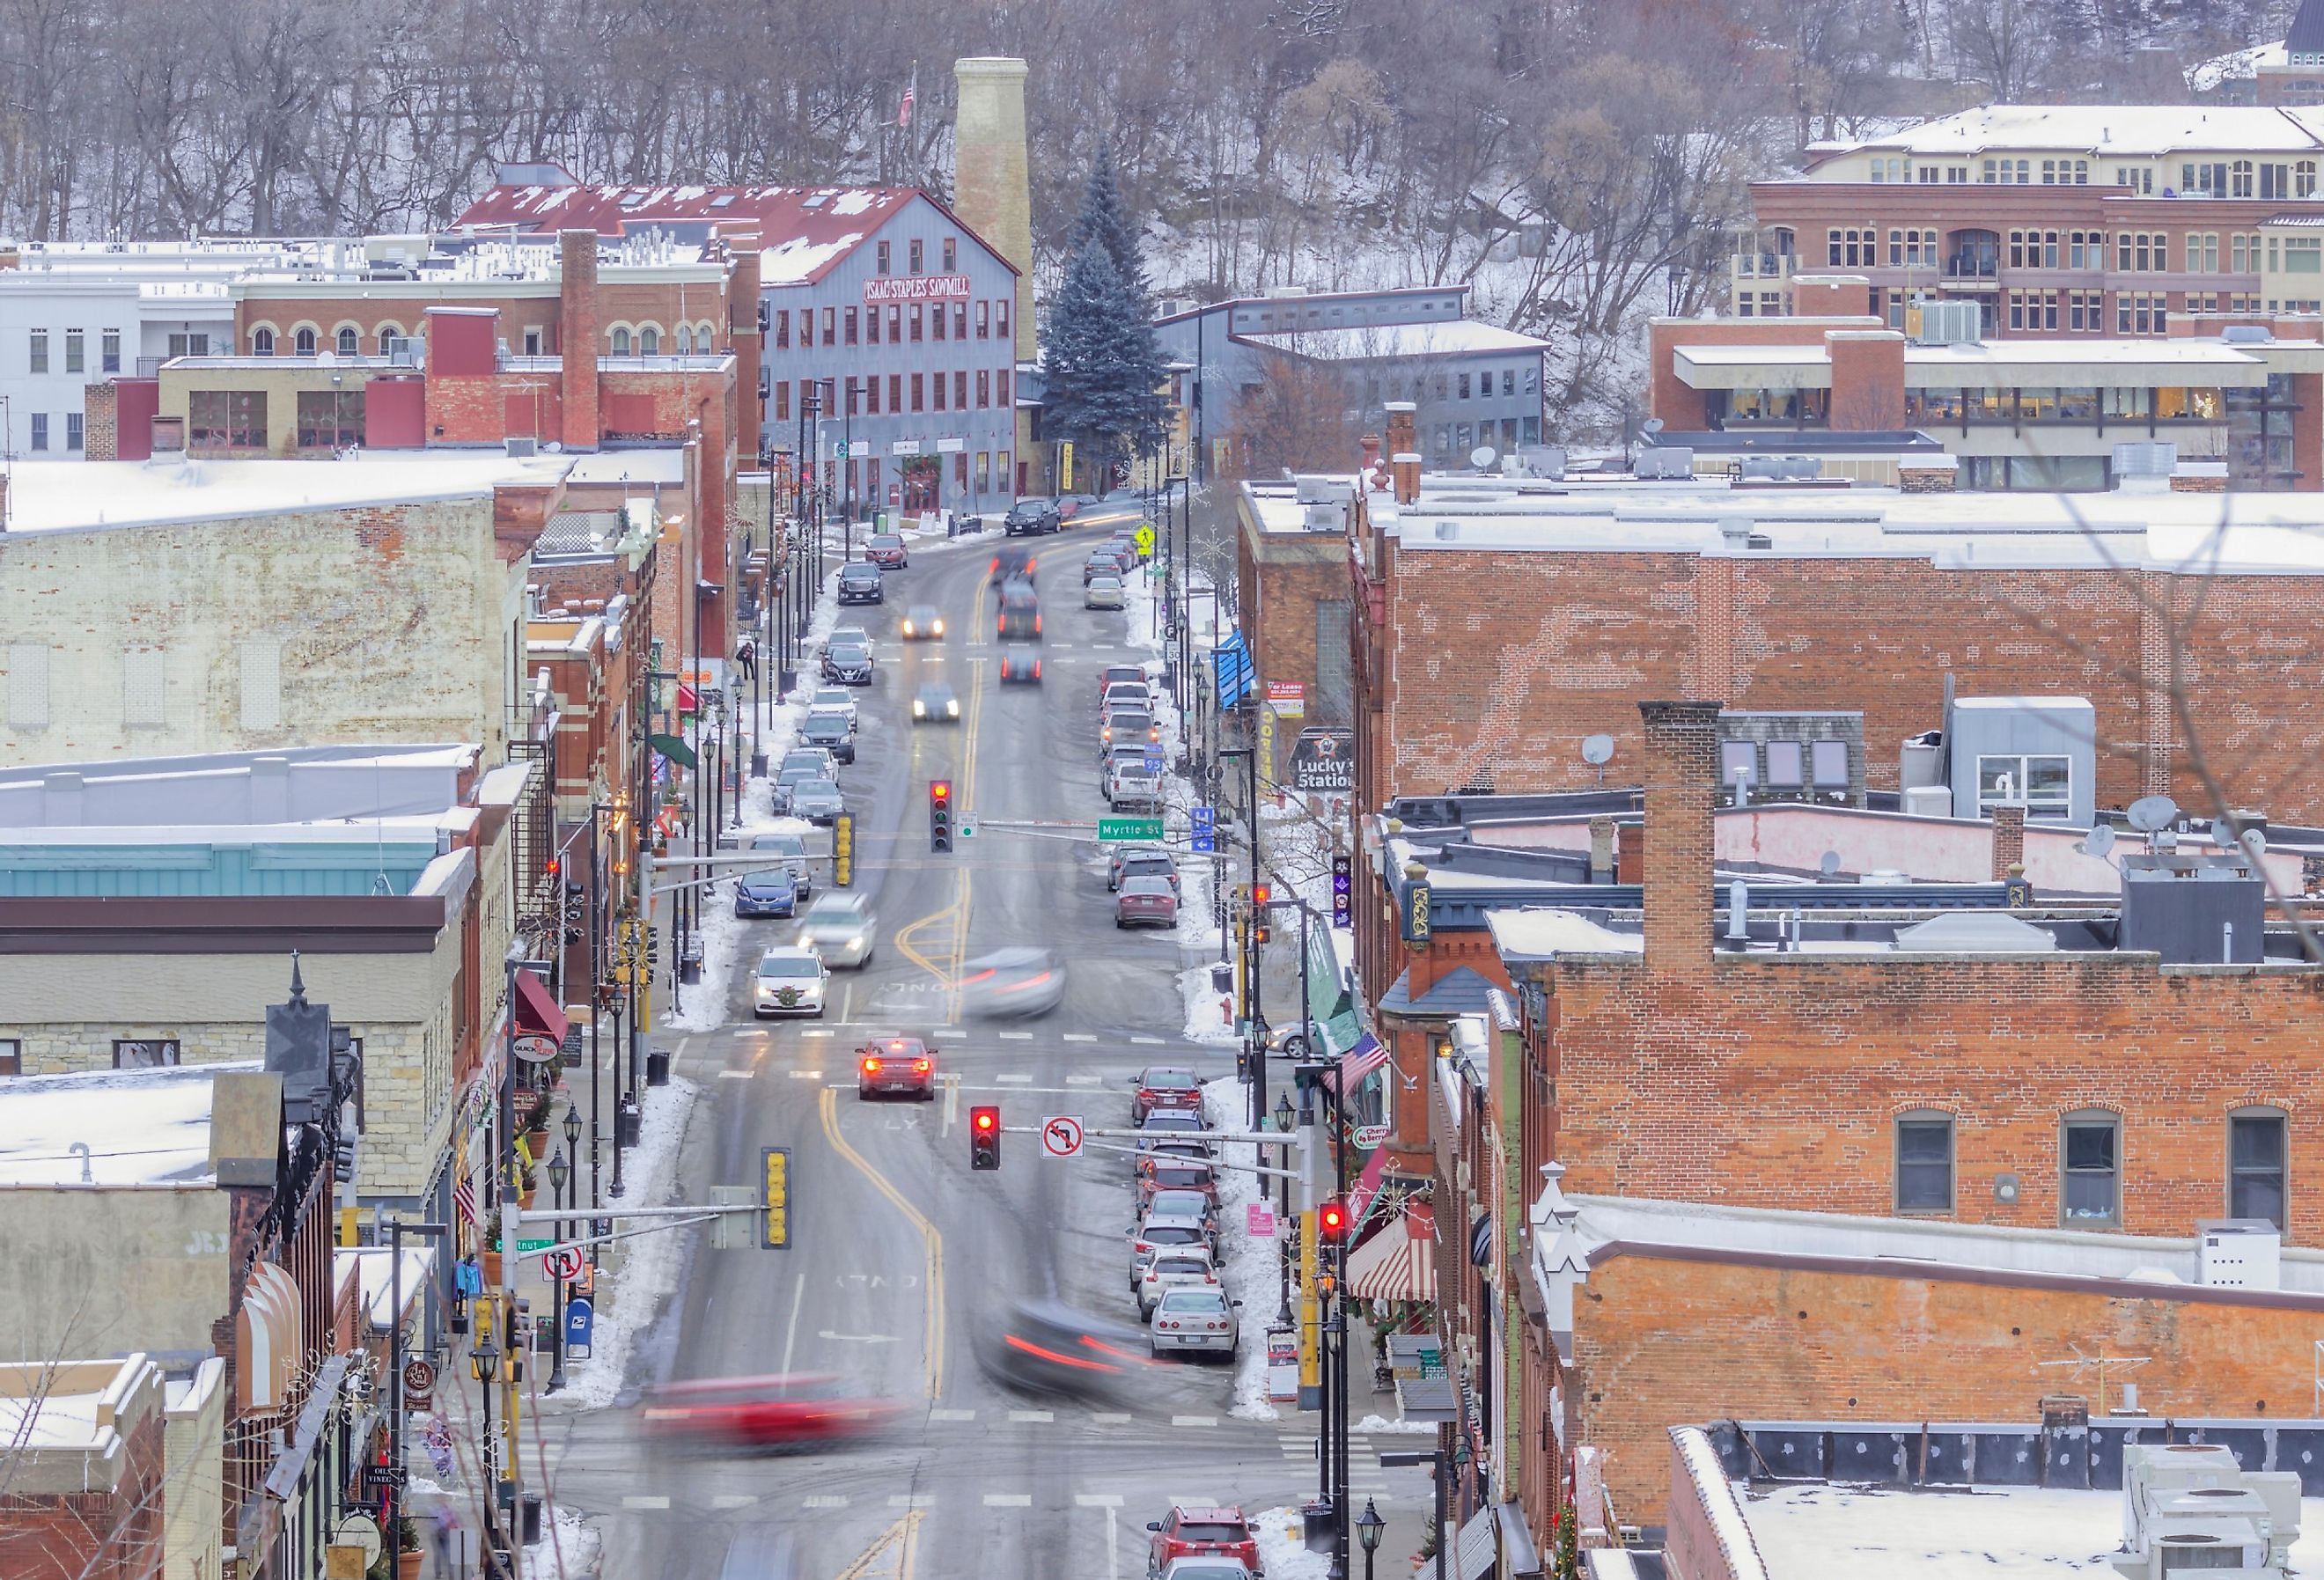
88	1470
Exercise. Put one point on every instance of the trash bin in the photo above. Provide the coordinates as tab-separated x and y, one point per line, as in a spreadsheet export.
631	1121
1319	1529
657	1068
532	1517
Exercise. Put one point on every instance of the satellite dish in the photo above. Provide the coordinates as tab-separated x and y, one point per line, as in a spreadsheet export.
1481	457
2222	835
2151	814
1829	864
1598	748
2099	841
1651	425
2255	842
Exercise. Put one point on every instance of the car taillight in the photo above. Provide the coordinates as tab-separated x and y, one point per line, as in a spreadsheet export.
870	1066
919	1067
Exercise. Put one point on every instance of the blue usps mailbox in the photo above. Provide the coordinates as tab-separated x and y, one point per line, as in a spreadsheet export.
580	1317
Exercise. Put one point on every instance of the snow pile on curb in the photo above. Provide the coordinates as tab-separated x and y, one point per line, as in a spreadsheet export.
569	1549
1281	1551
1207	1018
632	1289
1378	1423
1250	1268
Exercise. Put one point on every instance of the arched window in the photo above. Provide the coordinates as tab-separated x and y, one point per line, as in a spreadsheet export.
261	342
649	341
706	339
304	342
389	333
349	340
685	340
620	342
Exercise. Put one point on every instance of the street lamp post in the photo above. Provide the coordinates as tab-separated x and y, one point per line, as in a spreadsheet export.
1368	1527
1284	1119
560	1170
483	1364
1438	1462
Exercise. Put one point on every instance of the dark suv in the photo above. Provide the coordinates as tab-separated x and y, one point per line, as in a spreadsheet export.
1020	613
1028	516
860	584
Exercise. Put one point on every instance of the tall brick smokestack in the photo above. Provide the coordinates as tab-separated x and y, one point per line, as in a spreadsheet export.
576	335
991	186
750	351
1682	772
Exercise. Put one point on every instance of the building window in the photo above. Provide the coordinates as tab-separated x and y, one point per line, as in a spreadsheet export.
870	324
983	388
145	1053
1461	385
1509	380
2090	1153
685	338
12	1056
782	400
40	430
916	254
1000	317
960	320
622	341
649	341
2202	251
850	335
2141	314
940	392
918	392
984	319
330	419
75	427
261	342
109	351
959	390
2033	249
303	342
1924	1162
886	255
194	344
227	419
2256	1153
347	342
76	351
39	361
936	313
831	325
783	330
951	254
1001	392
895	391
918	313
2043	784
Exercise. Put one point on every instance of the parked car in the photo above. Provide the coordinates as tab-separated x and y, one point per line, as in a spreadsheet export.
1124	725
792	849
1129	783
841	634
1029	516
935	704
1146	902
1153	1237
849	663
1126	694
1176	1266
1119	858
1190	1531
1020	613
1198	1321
1020	665
1101	563
828	728
839	927
1166	1204
833	700
923	624
888	1065
1170	1126
1147	862
1115	674
817	799
784	792
1164	1086
790	981
1179	1569
817	758
886	549
1161	1177
1104	591
860	583
765	894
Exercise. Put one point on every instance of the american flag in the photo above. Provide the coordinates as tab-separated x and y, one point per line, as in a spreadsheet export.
904	113
464	1198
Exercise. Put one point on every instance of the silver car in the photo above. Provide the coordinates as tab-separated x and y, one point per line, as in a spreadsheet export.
1193	1319
840	928
816	799
1103	592
793	850
833	700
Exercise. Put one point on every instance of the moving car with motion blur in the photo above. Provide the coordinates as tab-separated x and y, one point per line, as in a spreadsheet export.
1020	665
935	704
1013	565
889	1066
1046	1347
1197	1321
797	1411
1011	984
789	981
1189	1532
923	624
1020	613
885	551
839	929
860	583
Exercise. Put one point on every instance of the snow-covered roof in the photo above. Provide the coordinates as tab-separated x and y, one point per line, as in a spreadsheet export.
2108	131
148	1127
57	495
1377	342
2011	363
374	1268
655	465
1542	934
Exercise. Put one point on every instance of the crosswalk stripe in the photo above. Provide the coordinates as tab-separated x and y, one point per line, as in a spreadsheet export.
816	1031
1194	1420
1014	1036
1015	1079
1032	1415
644	1500
1110	1418
1081	1080
733	1501
1147	1042
827	1500
952	1415
1009	1500
1079	1037
736	1074
807	1075
911	1501
1097	1500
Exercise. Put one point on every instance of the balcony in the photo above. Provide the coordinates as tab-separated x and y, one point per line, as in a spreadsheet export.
1763	265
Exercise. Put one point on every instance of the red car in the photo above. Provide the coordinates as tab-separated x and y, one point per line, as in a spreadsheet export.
763	1412
885	551
896	1064
1146	902
1165	1086
1195	1532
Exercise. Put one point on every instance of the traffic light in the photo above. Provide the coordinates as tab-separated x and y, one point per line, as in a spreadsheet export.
940	814
1343	888
775	1197
1261	895
1331	1223
984	1138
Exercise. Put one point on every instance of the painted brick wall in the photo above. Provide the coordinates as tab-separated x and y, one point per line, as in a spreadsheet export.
1565	645
1660	1342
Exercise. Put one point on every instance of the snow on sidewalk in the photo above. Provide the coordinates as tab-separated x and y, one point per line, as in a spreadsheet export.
1250	1267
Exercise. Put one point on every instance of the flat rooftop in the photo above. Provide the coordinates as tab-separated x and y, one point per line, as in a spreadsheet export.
1372	342
2119	131
149	1127
46	496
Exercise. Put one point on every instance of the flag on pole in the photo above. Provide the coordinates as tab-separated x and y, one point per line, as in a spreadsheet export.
904	114
464	1198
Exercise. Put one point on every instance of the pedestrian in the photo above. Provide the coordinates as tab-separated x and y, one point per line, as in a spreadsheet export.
441	1531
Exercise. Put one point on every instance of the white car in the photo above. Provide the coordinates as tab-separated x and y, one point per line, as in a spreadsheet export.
1176	1266
790	981
1207	1566
833	700
839	929
1197	1319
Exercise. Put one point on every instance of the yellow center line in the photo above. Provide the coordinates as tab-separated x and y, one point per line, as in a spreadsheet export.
895	1544
932	1244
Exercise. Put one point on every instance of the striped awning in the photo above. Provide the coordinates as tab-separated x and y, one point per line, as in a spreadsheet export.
1398	1263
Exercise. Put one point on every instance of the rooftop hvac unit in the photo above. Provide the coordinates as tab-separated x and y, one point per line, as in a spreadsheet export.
2239	1254
1171	307
522	447
1327	518
1311	488
2191	1506
1949	323
2247	334
1666	461
406	351
2145	459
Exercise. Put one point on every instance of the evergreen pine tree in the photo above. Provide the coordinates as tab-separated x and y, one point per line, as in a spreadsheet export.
1104	219
1102	368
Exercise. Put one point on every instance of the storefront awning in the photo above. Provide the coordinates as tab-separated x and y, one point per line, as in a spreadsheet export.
1398	1264
536	1008
269	1339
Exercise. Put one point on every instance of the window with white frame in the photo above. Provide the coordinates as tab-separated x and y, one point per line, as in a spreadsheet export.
2043	784
2089	1157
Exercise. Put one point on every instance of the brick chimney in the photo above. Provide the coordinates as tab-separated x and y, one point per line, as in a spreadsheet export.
743	287
1682	772
1370	445
2008	840
993	189
1403	452
577	337
1602	849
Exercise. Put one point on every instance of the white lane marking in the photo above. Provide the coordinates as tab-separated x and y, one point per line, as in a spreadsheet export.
1097	1500
1014	1036
1147	1042
750	1032
1009	1500
911	1501
1059	646
807	1075
826	1501
856	1338
1110	1418
816	1031
1101	647
736	1074
1032	1415
790	1338
642	1500
1083	1080
733	1501
1194	1420
1079	1037
1014	1080
952	1415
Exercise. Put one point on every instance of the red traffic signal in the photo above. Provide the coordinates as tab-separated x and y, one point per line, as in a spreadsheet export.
1261	894
940	791
1332	1223
984	1137
551	867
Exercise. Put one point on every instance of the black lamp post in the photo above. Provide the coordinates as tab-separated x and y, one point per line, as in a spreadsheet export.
559	1171
483	1364
1368	1527
1284	1119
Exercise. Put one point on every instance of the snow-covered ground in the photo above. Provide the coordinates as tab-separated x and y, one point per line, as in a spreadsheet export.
1281	1552
1251	1267
567	1546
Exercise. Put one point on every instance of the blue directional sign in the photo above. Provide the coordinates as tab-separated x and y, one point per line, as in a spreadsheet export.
1206	830
1231	661
1153	760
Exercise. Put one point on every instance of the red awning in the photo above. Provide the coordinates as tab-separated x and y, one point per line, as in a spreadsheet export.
536	1010
1398	1263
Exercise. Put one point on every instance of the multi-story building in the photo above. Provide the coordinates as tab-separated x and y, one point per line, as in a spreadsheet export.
897	319
2107	221
1473	383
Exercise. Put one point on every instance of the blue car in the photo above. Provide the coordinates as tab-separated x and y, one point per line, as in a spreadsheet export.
766	894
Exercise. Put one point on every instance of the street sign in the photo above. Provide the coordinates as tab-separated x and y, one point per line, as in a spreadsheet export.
1061	1135
1259	1220
1324	761
580	1322
1144	539
562	1266
418	1383
1066	467
839	449
383	1475
967	829
775	1194
1206	830
1153	760
1364	1138
1111	829
527	1247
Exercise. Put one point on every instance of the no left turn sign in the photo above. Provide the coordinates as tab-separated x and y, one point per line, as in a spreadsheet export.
1061	1135
563	1266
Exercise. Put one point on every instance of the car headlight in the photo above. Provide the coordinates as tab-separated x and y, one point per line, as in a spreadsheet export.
919	709
937	628
856	942
953	708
